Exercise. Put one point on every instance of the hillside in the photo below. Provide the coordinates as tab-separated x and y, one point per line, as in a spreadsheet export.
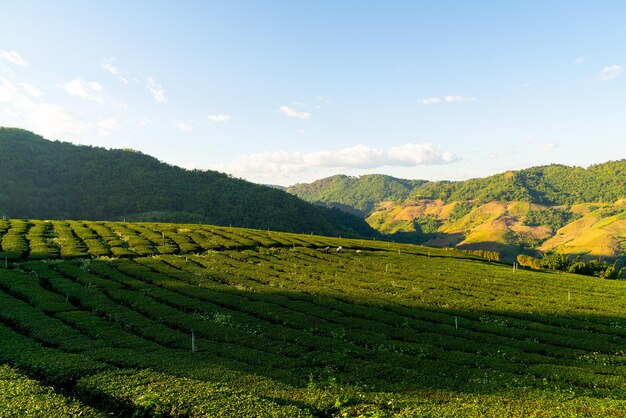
357	194
55	180
512	212
146	319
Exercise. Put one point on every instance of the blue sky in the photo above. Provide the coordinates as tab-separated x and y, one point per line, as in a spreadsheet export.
283	92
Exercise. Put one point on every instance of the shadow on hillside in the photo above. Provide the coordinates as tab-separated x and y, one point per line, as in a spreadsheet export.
507	252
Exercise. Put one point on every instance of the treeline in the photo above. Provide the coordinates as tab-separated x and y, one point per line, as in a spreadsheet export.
561	262
41	179
550	185
489	255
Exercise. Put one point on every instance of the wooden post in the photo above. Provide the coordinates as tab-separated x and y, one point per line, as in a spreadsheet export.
386	268
569	295
456	322
193	342
67	297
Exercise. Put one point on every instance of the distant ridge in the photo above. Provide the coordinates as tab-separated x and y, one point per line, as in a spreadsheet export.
43	179
554	184
357	194
532	210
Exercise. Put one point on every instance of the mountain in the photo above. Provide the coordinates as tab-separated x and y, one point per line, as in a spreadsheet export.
57	180
358	195
553	208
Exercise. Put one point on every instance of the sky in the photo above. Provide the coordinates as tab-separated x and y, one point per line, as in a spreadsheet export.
282	92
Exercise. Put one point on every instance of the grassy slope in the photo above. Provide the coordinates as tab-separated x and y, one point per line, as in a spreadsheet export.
494	226
498	226
595	235
285	330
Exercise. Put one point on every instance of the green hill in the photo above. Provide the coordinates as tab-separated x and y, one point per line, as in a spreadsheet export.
55	180
357	194
511	212
548	185
146	319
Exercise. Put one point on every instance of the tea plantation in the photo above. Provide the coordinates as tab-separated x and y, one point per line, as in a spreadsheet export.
145	319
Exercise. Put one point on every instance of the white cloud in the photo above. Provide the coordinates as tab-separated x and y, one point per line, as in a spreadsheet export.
53	121
31	90
106	126
419	154
8	92
549	146
90	90
13	57
108	66
580	60
610	72
183	126
156	89
219	118
273	164
445	99
293	113
47	119
430	100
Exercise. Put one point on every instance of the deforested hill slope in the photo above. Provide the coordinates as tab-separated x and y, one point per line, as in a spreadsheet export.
600	233
54	180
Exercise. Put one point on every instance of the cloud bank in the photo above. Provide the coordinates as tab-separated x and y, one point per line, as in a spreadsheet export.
21	106
285	164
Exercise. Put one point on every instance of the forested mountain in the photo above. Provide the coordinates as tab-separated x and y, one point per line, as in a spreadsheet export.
549	185
553	184
58	180
530	210
361	194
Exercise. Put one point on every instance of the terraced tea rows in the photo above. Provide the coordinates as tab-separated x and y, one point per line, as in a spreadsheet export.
105	324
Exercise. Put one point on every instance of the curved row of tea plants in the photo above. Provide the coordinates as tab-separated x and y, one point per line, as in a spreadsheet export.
105	325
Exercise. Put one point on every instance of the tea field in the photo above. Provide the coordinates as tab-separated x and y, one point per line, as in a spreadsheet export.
147	319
